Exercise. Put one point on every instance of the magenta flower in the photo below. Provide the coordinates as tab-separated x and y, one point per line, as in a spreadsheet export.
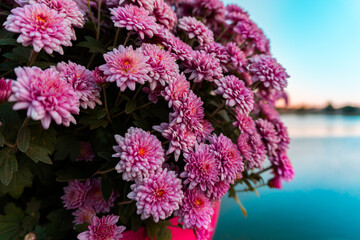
282	134
104	228
201	169
86	152
140	154
231	161
99	77
67	7
82	81
176	89
135	18
282	166
218	190
163	65
40	26
126	66
235	13
45	96
75	194
268	134
83	214
269	72
245	123
195	28
5	89
174	44
252	149
196	210
219	52
95	200
203	66
147	4
235	93
158	196
213	10
238	59
164	14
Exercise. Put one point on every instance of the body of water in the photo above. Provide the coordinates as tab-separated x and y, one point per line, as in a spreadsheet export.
322	202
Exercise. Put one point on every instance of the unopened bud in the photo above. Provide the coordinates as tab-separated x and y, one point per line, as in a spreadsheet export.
30	236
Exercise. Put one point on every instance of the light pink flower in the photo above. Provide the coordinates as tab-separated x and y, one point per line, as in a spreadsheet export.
237	57
83	214
180	49
164	14
45	96
82	81
127	67
147	4
177	88
195	28
40	26
95	199
104	228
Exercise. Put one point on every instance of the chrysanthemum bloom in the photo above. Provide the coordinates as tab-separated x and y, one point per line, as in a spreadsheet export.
5	89
95	200
275	182
127	67
147	4
235	13
86	152
282	134
204	233
219	52
22	2
269	72
238	59
268	110
135	18
158	196
213	10
195	28
82	81
75	194
163	65
204	132
252	149
196	210
229	156
177	87
201	169
203	66
104	228
164	14
83	214
218	190
235	93
44	95
40	26
282	165
153	94
245	123
269	135
181	138
140	154
67	7
100	78
174	44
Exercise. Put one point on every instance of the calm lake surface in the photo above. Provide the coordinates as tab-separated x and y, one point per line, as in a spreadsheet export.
322	202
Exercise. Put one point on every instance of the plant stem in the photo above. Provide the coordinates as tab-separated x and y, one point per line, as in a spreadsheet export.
103	172
106	105
116	37
91	15
118	114
99	20
10	145
218	109
91	60
127	37
33	57
223	32
143	106
255	85
125	202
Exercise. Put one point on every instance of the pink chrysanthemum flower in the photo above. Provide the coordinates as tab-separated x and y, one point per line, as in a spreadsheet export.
126	66
99	77
177	87
245	123
147	4
231	161
196	210
219	52
252	149
218	190
238	59
181	50
95	200
269	72
181	138
75	194
195	28
213	10
140	154
40	26
204	132
86	152
22	2
153	94
203	66
158	196
235	93
82	81
282	166
282	134
104	228
235	13
135	18
164	14
268	110
163	65
45	96
201	169
204	233
269	135
5	89
83	214
67	7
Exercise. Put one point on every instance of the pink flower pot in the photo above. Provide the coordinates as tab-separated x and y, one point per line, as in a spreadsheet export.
177	233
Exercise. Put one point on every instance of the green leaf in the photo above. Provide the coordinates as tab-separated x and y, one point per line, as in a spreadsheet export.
2	140
8	41
130	106
8	164
67	146
5	34
136	222
44	138
10	223
43	65
38	153
32	206
19	54
106	187
21	179
164	234
101	113
11	121
126	212
23	139
94	46
105	155
60	223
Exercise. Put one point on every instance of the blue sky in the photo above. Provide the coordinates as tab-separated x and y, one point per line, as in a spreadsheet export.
318	42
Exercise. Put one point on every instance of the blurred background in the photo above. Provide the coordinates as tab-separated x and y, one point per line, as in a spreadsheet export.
318	42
